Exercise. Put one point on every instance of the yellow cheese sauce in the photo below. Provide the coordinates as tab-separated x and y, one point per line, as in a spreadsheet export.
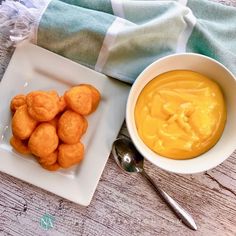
180	114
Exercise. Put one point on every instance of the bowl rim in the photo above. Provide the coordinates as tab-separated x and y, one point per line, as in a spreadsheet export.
139	144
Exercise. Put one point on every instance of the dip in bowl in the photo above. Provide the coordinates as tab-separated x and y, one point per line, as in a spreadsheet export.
179	124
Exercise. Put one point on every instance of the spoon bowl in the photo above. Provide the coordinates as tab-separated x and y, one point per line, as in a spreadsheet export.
126	156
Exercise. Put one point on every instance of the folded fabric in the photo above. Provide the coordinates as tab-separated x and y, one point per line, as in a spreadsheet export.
120	38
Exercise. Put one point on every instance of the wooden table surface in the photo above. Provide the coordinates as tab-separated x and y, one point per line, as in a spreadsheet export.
123	204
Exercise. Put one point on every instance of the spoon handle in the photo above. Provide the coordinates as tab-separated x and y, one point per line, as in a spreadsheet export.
173	205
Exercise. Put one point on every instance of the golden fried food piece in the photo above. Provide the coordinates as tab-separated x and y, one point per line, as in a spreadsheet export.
22	123
62	104
43	106
82	99
19	145
53	93
85	125
70	154
44	140
71	127
48	160
79	99
53	167
54	121
96	96
18	101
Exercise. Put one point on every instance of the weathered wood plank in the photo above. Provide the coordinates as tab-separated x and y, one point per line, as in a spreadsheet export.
123	204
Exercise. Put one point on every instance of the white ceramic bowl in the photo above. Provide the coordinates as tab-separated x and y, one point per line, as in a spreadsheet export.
208	67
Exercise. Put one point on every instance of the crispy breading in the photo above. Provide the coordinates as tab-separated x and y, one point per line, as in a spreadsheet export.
49	159
54	121
85	125
53	167
22	123
19	145
42	105
62	104
79	99
44	140
18	101
70	154
96	96
71	126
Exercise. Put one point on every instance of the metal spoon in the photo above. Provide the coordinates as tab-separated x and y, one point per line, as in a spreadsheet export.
129	159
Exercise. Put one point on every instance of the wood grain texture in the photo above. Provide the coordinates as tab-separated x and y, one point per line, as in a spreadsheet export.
124	204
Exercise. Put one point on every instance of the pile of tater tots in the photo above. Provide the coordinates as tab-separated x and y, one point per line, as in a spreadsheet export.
50	127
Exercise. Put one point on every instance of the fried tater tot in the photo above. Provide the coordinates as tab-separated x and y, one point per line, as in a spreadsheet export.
53	93
48	160
53	167
44	140
96	96
83	99
62	104
79	99
19	145
85	125
54	121
71	127
70	154
43	106
18	101
22	123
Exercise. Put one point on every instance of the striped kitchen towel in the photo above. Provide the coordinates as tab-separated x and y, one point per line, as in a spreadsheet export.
121	37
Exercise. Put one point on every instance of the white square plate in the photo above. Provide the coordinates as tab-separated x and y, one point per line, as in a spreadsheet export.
34	68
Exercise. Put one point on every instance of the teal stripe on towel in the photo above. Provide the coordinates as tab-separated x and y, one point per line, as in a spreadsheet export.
140	12
76	34
97	5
